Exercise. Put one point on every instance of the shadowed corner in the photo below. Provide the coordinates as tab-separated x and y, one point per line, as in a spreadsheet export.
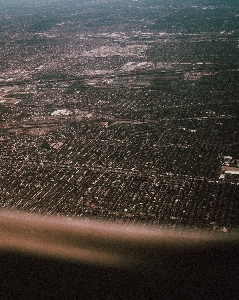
103	260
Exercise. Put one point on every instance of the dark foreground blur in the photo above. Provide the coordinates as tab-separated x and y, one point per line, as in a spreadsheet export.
51	258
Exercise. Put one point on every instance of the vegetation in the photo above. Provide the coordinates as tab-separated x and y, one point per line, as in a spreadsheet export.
40	25
45	145
18	96
76	86
31	41
52	76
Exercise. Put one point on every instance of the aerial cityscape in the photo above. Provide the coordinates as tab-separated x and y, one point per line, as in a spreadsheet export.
121	110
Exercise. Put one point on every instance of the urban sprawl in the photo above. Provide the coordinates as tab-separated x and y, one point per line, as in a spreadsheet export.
124	110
